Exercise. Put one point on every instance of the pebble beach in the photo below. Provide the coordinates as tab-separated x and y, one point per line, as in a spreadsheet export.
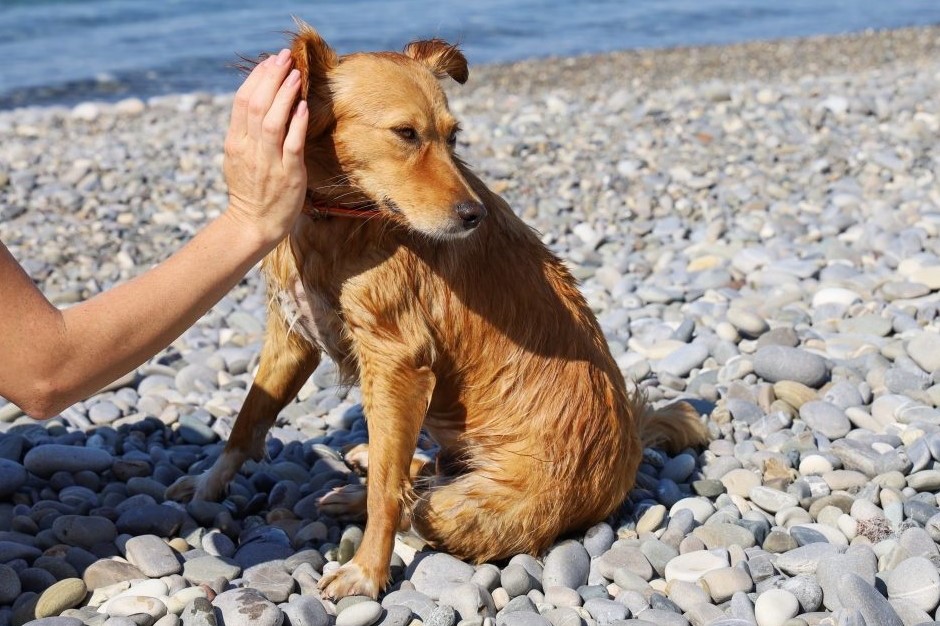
757	228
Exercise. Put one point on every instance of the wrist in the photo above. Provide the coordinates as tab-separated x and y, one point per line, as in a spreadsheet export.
256	234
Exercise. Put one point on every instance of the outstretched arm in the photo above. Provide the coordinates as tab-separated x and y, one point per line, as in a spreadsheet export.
51	358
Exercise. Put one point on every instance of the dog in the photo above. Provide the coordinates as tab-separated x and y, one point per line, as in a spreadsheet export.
428	291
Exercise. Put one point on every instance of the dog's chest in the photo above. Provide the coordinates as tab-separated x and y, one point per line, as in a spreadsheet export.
309	314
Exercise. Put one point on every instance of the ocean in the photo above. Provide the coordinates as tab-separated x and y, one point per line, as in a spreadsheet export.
68	51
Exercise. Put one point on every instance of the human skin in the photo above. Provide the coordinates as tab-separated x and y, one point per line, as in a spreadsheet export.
52	358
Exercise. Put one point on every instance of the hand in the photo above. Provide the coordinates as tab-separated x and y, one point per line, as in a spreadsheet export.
264	150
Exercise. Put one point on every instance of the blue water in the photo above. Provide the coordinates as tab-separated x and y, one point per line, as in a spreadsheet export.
65	51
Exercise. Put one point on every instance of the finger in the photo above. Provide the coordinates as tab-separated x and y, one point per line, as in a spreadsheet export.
266	90
278	116
243	96
296	134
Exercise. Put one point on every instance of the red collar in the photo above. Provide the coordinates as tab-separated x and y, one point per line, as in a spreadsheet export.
317	209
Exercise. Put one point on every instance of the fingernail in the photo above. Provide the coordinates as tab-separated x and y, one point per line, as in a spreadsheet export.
293	77
283	57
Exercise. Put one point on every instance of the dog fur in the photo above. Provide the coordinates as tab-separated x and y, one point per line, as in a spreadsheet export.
467	327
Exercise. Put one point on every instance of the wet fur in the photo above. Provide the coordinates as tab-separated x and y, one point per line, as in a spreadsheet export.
484	340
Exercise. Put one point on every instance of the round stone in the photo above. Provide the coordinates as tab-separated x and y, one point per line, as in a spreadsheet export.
567	565
916	580
739	482
775	606
12	477
776	363
364	613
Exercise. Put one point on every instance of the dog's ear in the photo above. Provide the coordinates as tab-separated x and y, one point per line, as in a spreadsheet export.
314	58
441	57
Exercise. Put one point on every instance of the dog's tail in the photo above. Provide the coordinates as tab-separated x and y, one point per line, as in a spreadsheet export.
673	427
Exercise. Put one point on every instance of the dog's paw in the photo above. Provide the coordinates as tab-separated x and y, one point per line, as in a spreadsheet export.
182	490
189	488
357	458
346	503
350	580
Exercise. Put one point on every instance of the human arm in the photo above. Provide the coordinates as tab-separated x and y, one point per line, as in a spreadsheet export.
51	358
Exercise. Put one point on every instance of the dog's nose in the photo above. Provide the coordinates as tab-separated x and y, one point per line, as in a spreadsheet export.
472	213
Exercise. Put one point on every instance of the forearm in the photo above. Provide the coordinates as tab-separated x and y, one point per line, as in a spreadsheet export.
102	338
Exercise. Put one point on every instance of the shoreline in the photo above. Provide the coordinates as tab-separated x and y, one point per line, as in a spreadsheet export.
774	59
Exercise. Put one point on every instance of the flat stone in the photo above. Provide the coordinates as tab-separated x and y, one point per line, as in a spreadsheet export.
105	572
924	350
431	574
152	556
271	579
208	569
47	459
682	360
471	601
129	605
84	531
606	611
630	558
417	602
807	592
805	559
875	609
724	582
247	607
724	536
150	519
691	566
199	612
771	499
859	559
739	482
825	418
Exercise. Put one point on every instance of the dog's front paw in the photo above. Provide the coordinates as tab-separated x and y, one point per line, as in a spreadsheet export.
351	580
346	503
188	488
182	490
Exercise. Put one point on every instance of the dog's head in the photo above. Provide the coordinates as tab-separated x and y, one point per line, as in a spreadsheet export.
390	133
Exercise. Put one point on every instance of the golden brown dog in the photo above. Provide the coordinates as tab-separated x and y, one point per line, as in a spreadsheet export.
452	316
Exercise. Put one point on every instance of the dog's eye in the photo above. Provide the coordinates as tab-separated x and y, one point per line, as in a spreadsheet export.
406	132
452	138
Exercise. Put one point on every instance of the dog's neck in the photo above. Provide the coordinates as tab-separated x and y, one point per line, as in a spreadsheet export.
318	208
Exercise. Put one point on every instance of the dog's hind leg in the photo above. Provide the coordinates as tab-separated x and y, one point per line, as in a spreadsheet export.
479	518
348	503
287	360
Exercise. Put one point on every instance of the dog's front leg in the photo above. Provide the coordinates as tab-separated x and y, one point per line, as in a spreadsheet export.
395	398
